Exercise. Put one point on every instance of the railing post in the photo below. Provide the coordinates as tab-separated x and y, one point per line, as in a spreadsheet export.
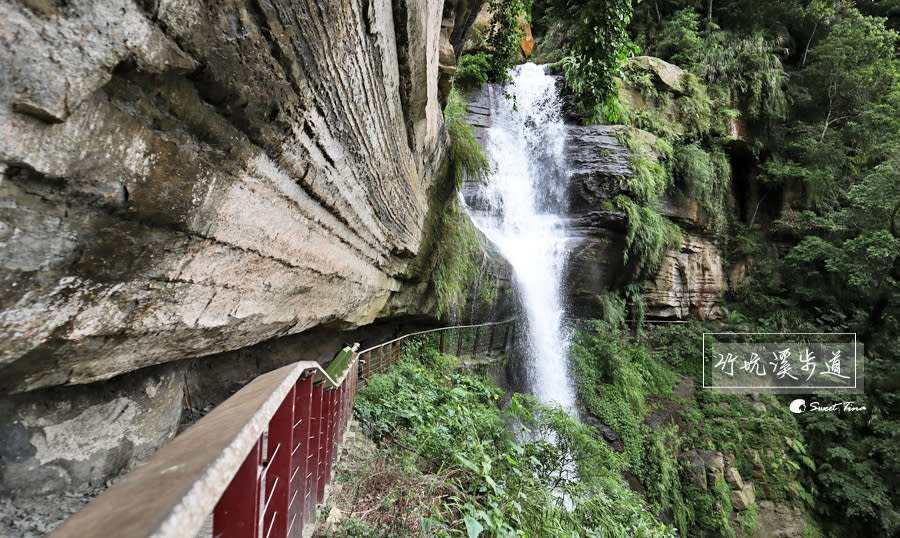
475	342
324	446
458	341
313	461
442	342
300	455
237	513
490	340
278	470
333	425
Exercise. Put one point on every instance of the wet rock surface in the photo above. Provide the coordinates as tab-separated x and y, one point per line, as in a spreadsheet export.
690	281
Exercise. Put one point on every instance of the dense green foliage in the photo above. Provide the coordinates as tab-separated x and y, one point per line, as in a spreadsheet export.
467	158
818	84
458	273
501	472
590	36
649	235
598	45
629	385
499	46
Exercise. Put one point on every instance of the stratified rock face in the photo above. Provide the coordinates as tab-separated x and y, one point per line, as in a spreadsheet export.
598	165
183	178
689	283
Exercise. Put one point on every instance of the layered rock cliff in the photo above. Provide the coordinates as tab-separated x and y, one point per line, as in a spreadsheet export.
690	280
182	178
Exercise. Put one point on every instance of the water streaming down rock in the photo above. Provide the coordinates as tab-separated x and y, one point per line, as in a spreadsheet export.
519	208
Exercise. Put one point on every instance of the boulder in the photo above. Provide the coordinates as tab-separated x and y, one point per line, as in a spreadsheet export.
694	469
778	521
611	436
714	463
669	75
733	477
755	460
743	498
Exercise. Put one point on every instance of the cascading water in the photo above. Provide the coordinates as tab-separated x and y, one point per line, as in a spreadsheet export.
520	210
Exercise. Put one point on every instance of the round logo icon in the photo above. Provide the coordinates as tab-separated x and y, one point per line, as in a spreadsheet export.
798	406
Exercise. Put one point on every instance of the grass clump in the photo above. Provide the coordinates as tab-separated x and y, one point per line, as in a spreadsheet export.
467	158
649	235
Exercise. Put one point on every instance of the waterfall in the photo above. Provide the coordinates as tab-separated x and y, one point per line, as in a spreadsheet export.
520	209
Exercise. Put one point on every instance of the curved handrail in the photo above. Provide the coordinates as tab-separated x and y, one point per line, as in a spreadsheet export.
450	328
174	491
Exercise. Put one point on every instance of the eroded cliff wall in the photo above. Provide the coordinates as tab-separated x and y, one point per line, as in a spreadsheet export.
180	178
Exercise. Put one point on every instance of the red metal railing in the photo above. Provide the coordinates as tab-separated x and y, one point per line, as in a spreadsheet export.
260	461
277	488
281	481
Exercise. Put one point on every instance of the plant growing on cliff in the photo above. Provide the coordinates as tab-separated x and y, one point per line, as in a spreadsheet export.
649	235
505	35
706	176
500	45
467	158
458	271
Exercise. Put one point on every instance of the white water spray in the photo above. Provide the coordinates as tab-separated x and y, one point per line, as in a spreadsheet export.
524	198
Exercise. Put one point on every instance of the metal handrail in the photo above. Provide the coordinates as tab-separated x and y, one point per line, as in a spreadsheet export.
291	418
216	463
438	329
384	360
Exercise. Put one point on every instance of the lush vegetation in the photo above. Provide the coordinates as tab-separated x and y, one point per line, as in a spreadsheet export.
785	127
456	248
528	470
645	391
498	47
593	34
459	274
818	84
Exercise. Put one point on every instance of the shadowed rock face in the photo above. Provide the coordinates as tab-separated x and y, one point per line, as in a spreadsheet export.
64	437
689	283
180	179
